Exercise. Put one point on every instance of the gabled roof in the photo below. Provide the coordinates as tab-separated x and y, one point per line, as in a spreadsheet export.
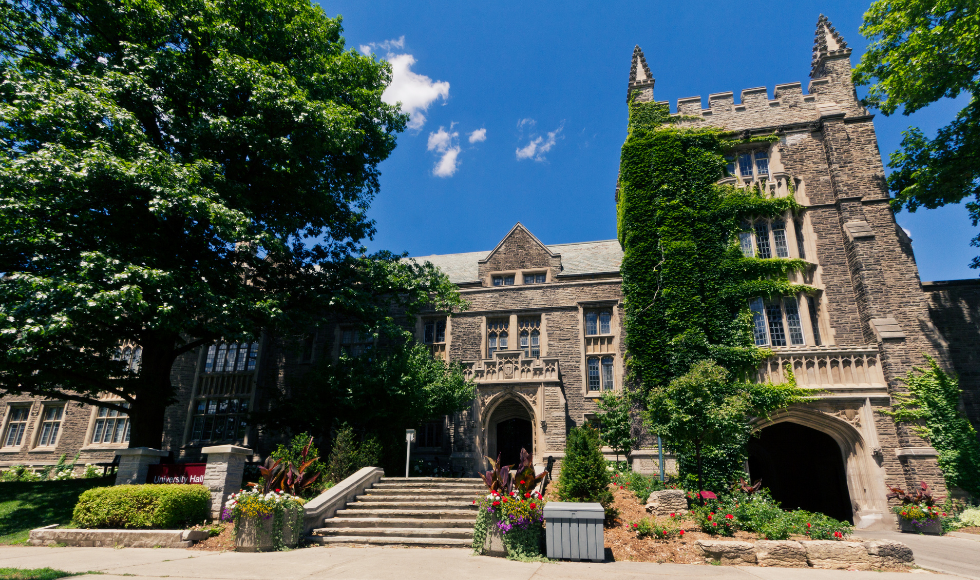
518	226
581	258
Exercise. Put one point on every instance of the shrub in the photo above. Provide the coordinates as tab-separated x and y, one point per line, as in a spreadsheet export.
760	514
297	454
970	518
654	528
348	455
19	473
143	506
584	477
641	485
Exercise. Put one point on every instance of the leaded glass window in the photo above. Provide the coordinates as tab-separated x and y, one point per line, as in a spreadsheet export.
594	380
779	237
762	239
777	332
759	332
793	321
496	335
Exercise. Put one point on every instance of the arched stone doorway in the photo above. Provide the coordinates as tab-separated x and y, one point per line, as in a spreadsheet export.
509	429
803	469
863	471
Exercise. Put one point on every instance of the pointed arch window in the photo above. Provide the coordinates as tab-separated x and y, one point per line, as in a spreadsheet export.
496	335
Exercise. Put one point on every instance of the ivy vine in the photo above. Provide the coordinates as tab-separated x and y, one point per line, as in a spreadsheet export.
686	282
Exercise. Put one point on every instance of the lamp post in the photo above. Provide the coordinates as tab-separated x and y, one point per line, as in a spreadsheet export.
409	437
660	449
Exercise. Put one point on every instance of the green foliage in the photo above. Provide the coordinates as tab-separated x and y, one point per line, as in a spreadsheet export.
28	505
657	529
969	518
37	574
303	458
703	416
19	473
920	53
686	288
616	423
641	485
933	404
349	454
143	506
176	173
760	514
395	387
583	476
91	472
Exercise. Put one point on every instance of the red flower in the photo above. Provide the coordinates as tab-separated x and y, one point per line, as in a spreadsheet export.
714	523
621	487
665	532
673	515
636	525
522	482
729	517
944	514
681	532
496	503
533	505
278	491
474	501
709	517
808	524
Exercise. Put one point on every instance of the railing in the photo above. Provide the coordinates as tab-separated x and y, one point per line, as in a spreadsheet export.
512	366
856	367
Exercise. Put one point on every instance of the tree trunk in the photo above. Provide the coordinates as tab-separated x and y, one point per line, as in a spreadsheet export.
153	394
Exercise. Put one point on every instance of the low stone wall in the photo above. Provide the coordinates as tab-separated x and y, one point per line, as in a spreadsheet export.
825	554
116	538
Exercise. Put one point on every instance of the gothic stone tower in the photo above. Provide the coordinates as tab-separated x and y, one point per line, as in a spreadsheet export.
869	322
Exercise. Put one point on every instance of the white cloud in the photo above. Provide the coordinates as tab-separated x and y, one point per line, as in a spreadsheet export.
386	46
537	145
414	91
444	143
478	136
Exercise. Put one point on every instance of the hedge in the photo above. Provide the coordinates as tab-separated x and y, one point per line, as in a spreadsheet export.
143	506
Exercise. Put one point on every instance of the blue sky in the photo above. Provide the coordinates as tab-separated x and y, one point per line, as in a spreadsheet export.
518	109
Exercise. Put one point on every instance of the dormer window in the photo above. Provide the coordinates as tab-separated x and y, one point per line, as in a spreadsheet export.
503	280
536	278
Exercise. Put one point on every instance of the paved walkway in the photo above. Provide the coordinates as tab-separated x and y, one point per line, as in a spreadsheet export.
958	554
378	564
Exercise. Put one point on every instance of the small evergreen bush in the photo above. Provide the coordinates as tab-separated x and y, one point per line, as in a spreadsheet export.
584	477
143	506
348	454
970	518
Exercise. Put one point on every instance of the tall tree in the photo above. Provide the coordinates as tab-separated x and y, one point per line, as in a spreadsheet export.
921	52
174	173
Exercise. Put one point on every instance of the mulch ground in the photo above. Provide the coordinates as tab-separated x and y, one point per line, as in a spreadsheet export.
223	542
970	530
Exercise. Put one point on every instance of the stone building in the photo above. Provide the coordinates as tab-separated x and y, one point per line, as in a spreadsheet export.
543	335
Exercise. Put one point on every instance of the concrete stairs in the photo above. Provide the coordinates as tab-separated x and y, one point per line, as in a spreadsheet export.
399	511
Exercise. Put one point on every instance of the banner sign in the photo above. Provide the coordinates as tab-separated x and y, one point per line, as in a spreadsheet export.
176	473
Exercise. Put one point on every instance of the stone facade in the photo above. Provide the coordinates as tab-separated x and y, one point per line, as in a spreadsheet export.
869	323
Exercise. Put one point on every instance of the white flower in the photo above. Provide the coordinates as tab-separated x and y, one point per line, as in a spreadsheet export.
102	60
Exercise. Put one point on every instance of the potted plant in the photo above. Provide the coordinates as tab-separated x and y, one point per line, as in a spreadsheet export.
271	518
918	513
511	516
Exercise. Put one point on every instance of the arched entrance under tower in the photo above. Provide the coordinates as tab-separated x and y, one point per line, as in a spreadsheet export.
803	468
509	430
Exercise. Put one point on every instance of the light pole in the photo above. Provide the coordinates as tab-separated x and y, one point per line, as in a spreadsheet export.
409	437
660	448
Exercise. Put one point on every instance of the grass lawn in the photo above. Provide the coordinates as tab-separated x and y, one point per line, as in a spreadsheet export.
35	574
28	505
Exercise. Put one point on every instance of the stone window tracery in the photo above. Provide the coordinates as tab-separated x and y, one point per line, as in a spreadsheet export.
764	239
749	165
529	328
776	323
496	335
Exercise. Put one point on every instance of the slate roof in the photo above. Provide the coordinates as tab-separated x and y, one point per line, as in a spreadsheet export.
576	259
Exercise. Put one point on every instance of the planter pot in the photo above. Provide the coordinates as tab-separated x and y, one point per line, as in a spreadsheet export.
922	527
255	534
494	544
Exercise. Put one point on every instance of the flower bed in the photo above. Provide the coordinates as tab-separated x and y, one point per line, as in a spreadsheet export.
265	521
509	524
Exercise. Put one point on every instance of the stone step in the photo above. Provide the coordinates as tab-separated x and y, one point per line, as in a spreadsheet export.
378	497
392	541
432	514
422	491
427	484
472	480
397	532
348	523
419	505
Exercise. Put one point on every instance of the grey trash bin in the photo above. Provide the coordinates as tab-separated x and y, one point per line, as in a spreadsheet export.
574	531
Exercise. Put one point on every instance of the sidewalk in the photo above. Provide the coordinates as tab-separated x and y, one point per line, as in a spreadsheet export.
377	564
957	554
